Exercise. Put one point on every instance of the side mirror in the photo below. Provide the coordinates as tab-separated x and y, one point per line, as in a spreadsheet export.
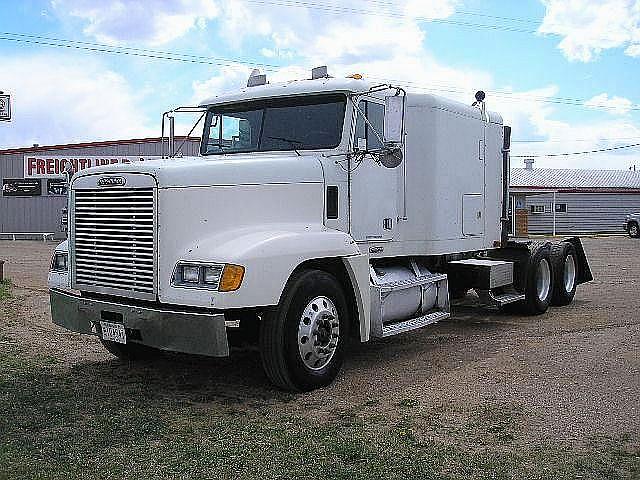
393	119
390	157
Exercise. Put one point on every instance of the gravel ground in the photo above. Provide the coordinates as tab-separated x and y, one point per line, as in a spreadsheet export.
567	376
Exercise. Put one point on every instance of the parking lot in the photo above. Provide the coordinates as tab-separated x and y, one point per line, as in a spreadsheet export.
482	395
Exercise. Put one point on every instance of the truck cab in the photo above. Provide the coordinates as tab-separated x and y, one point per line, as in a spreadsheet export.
318	211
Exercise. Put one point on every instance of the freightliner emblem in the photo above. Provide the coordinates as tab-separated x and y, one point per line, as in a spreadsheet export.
112	182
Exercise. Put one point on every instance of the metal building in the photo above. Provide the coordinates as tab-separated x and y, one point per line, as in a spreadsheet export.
33	186
562	201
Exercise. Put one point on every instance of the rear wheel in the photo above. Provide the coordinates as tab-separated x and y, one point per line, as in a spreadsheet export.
303	340
131	351
539	281
634	230
565	269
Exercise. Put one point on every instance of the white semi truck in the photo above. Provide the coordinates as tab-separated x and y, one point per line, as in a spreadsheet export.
319	211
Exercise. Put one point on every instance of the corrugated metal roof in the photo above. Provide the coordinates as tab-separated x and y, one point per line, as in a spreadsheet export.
103	143
579	179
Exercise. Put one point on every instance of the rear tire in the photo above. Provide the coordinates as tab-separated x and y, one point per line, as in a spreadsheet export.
303	339
634	230
539	281
458	293
565	272
131	351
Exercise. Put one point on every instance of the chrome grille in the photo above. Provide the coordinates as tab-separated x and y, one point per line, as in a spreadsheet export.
113	241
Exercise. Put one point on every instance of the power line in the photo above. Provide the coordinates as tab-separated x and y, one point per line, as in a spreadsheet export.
567	154
336	9
469	13
525	97
565	140
94	47
130	51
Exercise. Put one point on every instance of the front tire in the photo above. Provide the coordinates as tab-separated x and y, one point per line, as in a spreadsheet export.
634	230
303	340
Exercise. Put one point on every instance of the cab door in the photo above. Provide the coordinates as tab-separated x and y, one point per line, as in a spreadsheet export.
373	187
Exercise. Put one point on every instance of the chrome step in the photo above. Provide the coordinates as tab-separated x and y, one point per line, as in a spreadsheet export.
488	297
399	327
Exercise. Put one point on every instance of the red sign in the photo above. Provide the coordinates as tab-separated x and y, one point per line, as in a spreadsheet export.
52	166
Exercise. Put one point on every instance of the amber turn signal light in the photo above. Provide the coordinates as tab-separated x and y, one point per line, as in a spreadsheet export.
232	276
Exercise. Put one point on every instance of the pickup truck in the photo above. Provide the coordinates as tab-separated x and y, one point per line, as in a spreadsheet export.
632	225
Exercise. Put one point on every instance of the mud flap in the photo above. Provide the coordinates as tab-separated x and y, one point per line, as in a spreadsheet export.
584	271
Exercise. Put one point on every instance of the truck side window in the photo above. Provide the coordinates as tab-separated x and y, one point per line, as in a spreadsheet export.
375	114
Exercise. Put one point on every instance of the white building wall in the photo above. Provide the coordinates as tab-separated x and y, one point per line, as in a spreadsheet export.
585	212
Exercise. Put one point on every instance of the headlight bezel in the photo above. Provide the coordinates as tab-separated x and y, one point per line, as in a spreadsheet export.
211	276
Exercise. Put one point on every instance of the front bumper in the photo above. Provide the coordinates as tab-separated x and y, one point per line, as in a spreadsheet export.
171	330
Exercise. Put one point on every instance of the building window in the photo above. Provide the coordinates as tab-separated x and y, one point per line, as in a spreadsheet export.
561	208
536	209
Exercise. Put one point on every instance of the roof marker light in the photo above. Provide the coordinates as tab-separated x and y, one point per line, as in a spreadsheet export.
355	76
319	72
256	78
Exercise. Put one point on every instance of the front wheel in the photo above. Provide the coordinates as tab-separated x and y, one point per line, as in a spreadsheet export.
634	230
303	339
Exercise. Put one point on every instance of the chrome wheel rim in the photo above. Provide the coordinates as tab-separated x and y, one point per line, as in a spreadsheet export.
543	280
318	333
633	230
569	273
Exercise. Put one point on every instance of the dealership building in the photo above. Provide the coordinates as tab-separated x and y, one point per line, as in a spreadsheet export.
33	183
542	201
553	201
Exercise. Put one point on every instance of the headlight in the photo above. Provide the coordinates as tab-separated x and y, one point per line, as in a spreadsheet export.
190	273
214	276
60	262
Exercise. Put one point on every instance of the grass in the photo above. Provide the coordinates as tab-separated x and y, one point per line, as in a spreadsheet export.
5	289
103	420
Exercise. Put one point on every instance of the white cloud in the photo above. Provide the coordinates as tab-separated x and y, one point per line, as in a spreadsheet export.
615	105
633	50
395	48
534	120
588	27
152	22
58	100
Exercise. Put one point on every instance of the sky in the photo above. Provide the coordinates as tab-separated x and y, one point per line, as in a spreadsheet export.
565	74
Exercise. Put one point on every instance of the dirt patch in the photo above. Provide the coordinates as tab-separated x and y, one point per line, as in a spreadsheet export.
568	376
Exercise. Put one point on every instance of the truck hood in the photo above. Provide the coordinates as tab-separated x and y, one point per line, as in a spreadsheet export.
234	169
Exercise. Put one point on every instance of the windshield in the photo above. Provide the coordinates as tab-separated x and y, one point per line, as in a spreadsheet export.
303	123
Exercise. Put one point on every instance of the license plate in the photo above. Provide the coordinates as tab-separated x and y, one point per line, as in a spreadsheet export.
113	332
